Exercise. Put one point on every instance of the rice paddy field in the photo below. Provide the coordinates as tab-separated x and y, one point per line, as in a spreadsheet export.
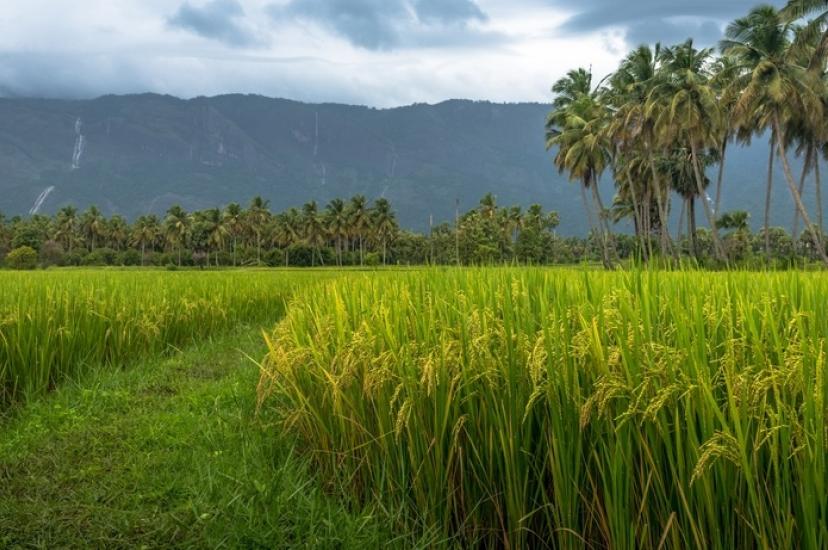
54	325
504	408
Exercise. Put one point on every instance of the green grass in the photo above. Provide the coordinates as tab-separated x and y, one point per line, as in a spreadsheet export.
55	325
529	407
167	454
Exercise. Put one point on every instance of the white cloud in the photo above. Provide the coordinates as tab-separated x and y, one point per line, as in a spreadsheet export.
512	52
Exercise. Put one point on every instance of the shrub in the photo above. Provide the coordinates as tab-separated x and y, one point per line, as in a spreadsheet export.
51	253
74	257
28	235
129	257
274	257
23	257
100	257
373	259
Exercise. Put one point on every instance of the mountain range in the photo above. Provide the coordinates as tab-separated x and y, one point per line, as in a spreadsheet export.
141	154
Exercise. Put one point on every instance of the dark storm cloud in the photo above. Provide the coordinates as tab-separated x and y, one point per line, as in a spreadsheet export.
370	24
58	75
389	24
217	20
657	20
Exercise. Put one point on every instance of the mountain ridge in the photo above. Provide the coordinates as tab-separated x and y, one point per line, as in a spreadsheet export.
142	153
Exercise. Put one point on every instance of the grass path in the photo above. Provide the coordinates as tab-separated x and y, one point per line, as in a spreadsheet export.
167	453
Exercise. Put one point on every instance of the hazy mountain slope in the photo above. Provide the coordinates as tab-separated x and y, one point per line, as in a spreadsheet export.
144	153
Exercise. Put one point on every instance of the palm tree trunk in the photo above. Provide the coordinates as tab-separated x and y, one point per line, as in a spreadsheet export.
604	226
338	251
587	208
815	235
717	244
681	220
234	250
143	247
662	211
805	169
817	238
637	217
691	226
818	184
720	180
768	196
179	255
648	222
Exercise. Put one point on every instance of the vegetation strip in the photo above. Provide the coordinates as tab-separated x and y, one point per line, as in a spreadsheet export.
55	325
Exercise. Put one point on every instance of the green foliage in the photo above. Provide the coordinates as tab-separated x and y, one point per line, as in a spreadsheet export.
736	220
30	235
100	257
51	254
23	257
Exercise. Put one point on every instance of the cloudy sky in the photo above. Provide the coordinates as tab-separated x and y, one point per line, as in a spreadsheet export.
373	52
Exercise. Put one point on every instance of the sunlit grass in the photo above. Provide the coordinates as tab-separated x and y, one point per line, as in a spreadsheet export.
526	408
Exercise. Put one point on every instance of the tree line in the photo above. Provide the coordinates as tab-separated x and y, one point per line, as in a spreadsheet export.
344	232
347	233
665	118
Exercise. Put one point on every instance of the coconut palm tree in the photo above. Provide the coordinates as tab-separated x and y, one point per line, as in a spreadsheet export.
576	84
384	223
359	217
577	128
681	174
723	78
288	231
815	31
688	112
145	233
118	232
257	218
776	92
313	230
515	222
233	220
177	228
634	197
66	227
93	227
213	224
488	206
337	223
808	138
633	133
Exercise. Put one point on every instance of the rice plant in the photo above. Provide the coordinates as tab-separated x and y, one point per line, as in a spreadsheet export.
567	409
55	324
